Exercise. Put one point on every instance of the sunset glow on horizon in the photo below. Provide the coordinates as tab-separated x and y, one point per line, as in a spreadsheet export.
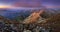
30	3
5	6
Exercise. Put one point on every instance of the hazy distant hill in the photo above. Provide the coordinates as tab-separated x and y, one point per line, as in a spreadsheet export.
9	13
12	13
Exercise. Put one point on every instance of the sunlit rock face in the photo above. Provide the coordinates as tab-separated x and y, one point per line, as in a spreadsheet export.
33	17
45	14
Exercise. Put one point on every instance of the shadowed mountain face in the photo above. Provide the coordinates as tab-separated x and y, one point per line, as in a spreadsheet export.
12	13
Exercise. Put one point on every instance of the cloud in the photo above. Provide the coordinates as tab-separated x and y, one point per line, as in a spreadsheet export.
30	3
53	6
25	3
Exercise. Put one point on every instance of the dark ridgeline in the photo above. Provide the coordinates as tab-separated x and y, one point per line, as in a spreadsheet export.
53	23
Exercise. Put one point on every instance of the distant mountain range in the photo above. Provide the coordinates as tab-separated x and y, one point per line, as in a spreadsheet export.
12	13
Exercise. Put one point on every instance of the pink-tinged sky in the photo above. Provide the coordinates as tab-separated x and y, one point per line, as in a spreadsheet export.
32	3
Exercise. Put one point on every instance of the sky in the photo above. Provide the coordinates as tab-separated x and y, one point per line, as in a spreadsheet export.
27	4
30	3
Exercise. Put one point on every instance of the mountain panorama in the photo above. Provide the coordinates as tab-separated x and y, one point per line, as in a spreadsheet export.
36	20
29	15
12	13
